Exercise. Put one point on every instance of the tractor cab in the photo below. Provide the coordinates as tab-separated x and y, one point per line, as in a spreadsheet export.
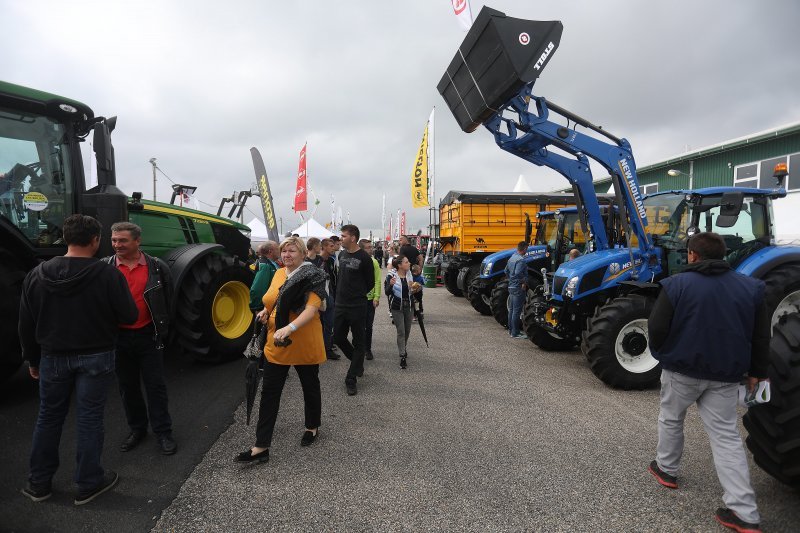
742	216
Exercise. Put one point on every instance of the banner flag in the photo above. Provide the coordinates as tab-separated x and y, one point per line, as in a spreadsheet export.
463	13
338	218
266	195
403	223
333	213
300	195
397	227
419	176
390	234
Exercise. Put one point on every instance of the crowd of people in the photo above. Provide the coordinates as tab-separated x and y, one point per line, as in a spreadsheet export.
316	295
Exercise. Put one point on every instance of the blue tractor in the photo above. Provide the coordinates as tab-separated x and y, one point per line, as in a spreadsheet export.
604	298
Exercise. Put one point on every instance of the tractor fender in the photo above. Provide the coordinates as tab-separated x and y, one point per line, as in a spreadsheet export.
639	287
766	259
180	262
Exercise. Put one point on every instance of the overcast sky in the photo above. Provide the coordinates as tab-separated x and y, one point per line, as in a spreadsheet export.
196	84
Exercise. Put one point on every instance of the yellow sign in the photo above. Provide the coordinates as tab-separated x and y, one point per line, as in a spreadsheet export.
35	201
419	177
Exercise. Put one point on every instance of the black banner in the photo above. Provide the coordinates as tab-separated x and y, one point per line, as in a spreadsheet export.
266	195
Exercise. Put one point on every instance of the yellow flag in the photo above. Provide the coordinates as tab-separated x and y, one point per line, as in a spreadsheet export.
419	176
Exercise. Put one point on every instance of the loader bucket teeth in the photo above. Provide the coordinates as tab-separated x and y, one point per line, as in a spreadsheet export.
498	57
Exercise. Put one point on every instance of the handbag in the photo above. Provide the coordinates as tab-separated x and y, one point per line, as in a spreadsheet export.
255	348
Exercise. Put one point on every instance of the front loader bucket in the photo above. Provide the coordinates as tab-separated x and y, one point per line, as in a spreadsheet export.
499	55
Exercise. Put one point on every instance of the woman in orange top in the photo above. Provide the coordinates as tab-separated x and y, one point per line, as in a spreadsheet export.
291	311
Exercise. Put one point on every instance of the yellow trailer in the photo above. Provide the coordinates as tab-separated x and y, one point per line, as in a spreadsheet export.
473	225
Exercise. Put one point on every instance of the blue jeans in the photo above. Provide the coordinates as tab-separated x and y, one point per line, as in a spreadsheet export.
517	296
91	376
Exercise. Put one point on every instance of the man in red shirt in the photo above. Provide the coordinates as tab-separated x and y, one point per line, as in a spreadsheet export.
140	356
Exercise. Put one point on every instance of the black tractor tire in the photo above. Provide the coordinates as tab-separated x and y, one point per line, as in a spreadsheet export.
774	428
615	344
540	337
11	277
213	319
499	302
782	294
470	273
450	282
478	299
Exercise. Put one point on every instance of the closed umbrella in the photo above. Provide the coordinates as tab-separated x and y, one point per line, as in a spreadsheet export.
421	321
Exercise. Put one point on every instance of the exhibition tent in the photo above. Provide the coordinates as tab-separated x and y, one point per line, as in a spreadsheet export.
258	231
312	228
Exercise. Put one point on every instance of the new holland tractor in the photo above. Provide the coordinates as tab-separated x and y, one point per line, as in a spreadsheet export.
603	299
42	182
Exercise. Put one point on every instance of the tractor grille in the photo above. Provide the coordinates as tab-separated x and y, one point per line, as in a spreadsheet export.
558	284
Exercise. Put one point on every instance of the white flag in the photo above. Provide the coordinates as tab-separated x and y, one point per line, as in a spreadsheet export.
333	214
463	13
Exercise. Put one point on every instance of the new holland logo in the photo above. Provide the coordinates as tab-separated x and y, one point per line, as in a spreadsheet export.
613	268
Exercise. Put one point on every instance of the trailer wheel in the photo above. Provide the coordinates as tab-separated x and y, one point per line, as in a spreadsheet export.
11	278
541	337
213	317
499	302
451	282
616	344
479	299
782	294
774	428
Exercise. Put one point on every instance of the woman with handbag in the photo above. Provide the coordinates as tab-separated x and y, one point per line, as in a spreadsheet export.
294	338
398	286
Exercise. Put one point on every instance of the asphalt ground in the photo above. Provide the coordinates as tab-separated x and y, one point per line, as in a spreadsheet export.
480	433
203	399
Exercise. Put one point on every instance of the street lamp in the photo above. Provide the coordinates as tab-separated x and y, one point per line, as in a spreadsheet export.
674	173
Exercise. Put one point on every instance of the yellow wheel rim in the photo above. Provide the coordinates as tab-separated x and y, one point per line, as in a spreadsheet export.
231	310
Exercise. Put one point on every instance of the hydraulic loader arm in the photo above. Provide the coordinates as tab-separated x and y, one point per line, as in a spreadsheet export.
532	133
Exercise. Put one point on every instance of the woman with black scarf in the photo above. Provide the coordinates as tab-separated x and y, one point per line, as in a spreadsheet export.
291	312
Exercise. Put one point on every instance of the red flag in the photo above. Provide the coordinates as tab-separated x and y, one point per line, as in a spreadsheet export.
403	223
300	196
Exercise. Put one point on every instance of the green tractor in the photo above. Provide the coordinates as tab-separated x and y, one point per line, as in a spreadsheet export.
42	182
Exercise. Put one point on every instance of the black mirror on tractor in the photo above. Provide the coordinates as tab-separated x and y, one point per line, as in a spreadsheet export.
498	57
729	207
104	151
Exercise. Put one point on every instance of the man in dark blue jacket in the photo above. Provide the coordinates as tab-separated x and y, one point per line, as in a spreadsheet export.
517	273
709	327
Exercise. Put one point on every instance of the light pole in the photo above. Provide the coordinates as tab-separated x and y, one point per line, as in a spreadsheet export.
153	162
672	172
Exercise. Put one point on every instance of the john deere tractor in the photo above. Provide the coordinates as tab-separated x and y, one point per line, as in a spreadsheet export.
42	182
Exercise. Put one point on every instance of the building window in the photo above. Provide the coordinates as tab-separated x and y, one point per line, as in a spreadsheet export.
650	188
758	174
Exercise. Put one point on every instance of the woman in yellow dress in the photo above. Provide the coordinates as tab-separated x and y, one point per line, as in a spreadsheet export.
294	338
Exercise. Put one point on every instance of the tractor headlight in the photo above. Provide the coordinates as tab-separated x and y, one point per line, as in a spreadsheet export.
487	268
572	284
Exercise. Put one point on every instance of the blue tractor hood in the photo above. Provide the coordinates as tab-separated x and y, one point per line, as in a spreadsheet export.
494	264
594	272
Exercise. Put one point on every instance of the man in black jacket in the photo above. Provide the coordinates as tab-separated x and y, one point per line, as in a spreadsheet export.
356	279
70	310
709	327
140	355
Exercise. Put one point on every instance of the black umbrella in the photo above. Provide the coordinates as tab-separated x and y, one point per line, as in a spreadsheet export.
421	321
251	375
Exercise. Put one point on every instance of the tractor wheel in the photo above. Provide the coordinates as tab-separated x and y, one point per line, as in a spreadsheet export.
213	317
782	294
616	344
470	273
541	337
450	282
479	299
774	427
11	278
499	302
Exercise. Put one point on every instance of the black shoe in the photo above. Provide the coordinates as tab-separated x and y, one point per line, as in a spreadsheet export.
110	479
37	493
352	390
132	441
247	456
167	444
662	477
369	356
360	373
308	438
333	356
403	362
728	518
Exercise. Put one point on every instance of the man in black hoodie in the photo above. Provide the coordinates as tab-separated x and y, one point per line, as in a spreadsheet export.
709	327
70	310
